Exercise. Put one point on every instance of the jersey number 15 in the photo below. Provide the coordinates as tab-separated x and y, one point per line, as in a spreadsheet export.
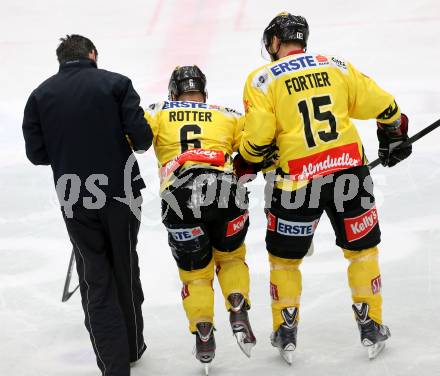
317	103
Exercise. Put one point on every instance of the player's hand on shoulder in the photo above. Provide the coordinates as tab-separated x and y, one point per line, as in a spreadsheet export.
392	149
242	167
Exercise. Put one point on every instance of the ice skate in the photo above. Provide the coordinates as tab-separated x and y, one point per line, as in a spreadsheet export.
205	344
241	328
285	337
373	335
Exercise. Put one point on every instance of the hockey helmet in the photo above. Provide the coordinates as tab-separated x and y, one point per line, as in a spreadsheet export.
286	27
186	79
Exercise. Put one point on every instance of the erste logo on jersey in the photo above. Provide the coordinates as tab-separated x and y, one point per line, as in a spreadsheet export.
288	228
237	224
170	105
322	60
358	227
185	234
182	104
299	63
304	62
325	162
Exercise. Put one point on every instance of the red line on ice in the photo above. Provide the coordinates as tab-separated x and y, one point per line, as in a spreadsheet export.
191	29
240	15
156	14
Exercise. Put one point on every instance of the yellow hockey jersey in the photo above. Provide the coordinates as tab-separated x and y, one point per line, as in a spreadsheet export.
303	104
193	135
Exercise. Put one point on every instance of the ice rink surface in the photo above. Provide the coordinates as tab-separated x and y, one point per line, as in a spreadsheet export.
395	42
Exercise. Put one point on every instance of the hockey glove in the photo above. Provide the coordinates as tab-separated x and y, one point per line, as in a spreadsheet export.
391	137
241	167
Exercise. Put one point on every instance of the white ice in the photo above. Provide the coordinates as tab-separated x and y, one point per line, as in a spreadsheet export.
395	42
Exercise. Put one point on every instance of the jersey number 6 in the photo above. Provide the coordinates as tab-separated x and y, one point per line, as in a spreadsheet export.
184	132
317	103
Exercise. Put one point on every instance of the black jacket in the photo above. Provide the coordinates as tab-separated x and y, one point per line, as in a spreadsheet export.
76	121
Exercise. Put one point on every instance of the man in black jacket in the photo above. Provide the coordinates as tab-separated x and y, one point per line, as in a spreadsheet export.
84	122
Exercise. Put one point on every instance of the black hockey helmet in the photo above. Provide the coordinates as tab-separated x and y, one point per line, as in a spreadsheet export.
186	79
287	27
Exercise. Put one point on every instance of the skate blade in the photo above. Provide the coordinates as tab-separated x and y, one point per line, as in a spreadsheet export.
206	366
246	347
204	359
375	350
287	354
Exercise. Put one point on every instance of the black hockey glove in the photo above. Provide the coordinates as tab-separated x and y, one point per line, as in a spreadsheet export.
242	167
390	138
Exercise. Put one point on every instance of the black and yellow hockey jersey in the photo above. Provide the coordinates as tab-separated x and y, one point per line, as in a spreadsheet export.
303	103
193	135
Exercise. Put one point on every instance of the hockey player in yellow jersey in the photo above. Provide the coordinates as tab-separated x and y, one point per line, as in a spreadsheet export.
205	216
298	111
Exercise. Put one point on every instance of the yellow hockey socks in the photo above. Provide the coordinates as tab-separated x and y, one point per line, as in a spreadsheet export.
285	286
232	273
198	295
364	280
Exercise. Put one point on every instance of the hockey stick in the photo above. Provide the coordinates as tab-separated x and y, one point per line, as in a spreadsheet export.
66	293
411	140
376	162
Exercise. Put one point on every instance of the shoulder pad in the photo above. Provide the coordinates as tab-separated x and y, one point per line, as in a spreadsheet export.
340	63
261	79
232	111
225	110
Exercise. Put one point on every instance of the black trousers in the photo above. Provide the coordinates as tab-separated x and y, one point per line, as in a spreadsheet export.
290	231
104	241
222	223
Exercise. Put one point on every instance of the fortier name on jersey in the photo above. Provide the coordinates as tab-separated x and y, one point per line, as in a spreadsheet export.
308	81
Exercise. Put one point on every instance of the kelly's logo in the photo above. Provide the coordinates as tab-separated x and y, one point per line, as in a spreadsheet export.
237	224
358	227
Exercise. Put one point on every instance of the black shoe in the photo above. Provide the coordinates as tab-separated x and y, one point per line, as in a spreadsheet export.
373	335
239	319
205	342
285	337
137	359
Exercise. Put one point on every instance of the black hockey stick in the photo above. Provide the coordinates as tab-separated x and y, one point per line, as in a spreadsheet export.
66	293
411	140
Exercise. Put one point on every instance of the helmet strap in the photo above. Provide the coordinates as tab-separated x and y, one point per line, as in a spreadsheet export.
274	55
